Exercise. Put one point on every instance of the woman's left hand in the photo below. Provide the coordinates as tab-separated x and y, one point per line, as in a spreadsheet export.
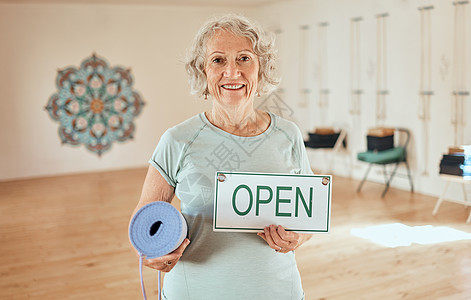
281	240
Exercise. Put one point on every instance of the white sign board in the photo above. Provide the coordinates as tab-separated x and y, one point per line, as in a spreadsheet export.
251	201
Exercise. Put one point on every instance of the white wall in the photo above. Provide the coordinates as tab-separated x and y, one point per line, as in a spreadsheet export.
152	40
37	40
403	61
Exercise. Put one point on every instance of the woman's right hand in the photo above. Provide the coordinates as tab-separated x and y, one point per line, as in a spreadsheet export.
167	262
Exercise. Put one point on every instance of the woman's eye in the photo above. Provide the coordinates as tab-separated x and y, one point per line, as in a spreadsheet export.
217	60
245	58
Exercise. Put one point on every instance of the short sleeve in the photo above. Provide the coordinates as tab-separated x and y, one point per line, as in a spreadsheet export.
303	158
166	157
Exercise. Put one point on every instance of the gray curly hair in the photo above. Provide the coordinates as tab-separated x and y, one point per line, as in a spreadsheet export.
262	43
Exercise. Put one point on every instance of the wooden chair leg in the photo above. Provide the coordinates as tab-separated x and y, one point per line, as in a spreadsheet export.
364	178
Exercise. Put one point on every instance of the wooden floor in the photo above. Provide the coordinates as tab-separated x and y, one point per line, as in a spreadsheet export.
66	238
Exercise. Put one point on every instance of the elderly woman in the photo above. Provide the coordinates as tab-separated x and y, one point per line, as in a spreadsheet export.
232	62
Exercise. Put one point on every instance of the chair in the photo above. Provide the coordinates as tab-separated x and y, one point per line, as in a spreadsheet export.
340	146
396	156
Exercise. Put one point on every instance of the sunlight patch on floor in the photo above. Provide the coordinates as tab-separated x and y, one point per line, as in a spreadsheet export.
397	234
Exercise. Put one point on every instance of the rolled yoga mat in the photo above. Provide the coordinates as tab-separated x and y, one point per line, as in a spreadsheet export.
155	230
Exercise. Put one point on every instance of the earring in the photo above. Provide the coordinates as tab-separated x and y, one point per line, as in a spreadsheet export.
258	94
205	96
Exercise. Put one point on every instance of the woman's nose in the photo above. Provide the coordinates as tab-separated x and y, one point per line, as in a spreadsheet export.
231	70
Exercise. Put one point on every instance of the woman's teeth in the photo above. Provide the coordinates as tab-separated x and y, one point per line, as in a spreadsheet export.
232	86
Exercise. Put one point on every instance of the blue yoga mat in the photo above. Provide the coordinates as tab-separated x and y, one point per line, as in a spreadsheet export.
157	229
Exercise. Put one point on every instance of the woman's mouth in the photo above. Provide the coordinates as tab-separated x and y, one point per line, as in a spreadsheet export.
232	86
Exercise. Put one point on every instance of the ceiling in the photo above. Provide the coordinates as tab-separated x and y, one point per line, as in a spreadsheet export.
216	3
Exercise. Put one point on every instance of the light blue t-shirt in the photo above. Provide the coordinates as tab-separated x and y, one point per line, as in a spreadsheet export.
220	265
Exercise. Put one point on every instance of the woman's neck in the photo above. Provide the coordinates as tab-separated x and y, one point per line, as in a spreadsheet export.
239	120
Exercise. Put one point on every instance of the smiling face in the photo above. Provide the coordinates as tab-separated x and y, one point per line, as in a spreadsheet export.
231	68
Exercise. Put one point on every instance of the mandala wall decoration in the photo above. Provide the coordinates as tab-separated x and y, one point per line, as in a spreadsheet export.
95	105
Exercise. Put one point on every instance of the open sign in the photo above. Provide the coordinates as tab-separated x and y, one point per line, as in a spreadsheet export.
251	201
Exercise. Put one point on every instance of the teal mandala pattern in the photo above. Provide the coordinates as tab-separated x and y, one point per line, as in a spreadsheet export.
95	105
